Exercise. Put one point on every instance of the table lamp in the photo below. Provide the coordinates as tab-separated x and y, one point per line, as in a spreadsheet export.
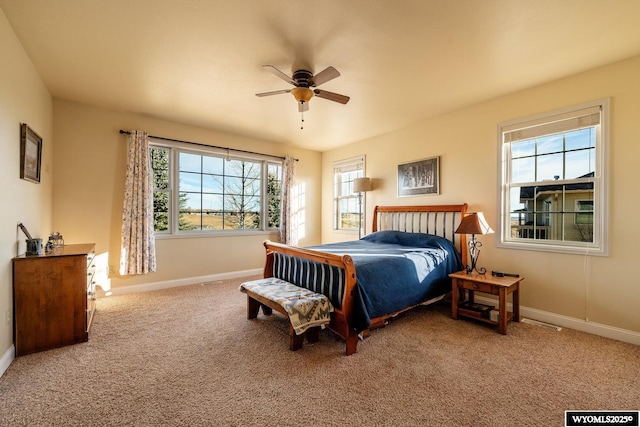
474	223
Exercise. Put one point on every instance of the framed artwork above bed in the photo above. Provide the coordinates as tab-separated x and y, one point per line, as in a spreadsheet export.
420	177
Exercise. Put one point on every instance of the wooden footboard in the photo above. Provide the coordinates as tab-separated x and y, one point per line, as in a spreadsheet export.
341	317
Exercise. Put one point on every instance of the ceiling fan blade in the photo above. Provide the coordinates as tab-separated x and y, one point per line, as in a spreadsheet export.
303	106
273	70
336	97
324	76
275	92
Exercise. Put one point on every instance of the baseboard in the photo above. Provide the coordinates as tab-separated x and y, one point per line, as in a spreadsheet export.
6	359
595	328
154	286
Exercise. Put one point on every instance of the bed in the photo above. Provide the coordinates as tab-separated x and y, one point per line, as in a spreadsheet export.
403	263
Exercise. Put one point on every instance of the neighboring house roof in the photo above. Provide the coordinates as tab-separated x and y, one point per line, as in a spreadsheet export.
528	193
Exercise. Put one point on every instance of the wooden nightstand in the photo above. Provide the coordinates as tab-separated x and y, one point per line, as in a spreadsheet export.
501	286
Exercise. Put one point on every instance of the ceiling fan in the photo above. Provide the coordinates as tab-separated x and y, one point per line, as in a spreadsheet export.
304	81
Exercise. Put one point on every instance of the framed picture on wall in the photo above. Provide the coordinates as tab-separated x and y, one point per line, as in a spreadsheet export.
30	154
419	177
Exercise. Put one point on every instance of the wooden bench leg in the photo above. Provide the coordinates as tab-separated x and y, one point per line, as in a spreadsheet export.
252	308
313	334
295	341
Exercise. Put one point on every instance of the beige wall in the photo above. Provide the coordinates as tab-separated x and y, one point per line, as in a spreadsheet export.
23	99
88	190
604	290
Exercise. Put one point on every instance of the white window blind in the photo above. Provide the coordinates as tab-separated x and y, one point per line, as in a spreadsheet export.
561	123
349	165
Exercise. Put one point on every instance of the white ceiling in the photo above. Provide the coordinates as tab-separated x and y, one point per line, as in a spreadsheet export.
199	62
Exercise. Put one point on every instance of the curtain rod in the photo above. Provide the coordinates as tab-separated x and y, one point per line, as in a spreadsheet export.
126	132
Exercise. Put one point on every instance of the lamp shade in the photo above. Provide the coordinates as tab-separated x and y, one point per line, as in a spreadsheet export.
360	185
474	223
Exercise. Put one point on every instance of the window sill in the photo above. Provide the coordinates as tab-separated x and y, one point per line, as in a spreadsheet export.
215	234
557	248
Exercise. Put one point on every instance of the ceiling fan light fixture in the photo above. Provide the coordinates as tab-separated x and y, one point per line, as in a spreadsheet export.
303	80
302	94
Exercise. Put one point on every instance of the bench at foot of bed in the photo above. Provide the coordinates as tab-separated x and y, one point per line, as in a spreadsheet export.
307	311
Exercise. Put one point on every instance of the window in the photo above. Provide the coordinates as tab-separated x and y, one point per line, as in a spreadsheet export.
346	205
215	192
553	189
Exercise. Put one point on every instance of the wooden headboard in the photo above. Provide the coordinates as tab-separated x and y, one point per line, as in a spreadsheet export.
439	220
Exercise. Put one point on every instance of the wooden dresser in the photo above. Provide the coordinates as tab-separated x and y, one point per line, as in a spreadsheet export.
53	298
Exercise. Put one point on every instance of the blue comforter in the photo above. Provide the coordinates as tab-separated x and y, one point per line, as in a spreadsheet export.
396	270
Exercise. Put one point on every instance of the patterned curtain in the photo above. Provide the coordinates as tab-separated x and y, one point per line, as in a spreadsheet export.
138	246
287	230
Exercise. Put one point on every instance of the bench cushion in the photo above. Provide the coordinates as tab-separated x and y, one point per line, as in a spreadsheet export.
305	308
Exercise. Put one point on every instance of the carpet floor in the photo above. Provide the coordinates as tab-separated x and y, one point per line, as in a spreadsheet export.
188	356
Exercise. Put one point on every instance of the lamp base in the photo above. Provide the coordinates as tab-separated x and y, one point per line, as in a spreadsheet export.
359	215
474	252
481	271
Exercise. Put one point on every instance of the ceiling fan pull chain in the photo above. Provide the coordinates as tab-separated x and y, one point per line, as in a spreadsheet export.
301	119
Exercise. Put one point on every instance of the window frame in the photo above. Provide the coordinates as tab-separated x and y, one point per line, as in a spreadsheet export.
600	180
353	164
175	148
